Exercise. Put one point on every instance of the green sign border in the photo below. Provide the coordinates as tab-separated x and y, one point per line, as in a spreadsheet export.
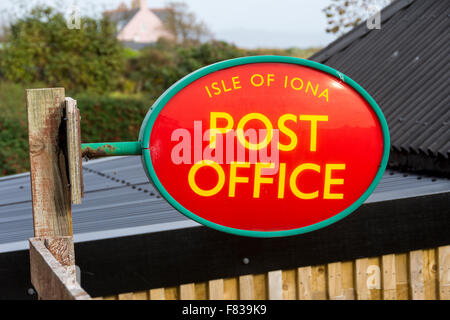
147	125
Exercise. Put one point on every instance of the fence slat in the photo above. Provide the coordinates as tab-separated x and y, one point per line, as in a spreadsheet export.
157	294
246	291
348	284
430	288
444	272
374	278
275	285
215	289
334	272
141	295
289	286
201	291
171	293
304	283
187	291
389	277
260	286
319	282
401	272
362	290
416	275
230	288
126	296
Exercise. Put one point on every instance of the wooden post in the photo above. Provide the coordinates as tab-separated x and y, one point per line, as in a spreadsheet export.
52	254
52	215
74	151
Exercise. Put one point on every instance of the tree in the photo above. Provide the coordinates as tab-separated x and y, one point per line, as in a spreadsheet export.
161	65
184	25
41	48
343	15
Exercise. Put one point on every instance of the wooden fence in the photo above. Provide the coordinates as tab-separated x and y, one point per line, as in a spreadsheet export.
417	275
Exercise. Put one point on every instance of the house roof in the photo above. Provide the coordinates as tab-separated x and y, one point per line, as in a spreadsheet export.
404	66
161	13
120	201
122	16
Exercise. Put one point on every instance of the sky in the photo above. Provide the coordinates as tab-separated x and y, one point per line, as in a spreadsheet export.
247	23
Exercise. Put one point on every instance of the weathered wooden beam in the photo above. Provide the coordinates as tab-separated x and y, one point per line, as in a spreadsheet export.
63	250
55	147
52	215
52	279
74	151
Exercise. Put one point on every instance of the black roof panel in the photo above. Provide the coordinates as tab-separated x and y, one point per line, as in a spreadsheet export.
404	66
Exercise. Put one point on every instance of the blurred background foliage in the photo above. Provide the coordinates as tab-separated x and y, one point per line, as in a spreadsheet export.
114	85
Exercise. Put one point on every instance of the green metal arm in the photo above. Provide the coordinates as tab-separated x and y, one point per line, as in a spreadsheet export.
104	149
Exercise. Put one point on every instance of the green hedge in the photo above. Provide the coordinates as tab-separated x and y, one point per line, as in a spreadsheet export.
109	119
103	119
13	147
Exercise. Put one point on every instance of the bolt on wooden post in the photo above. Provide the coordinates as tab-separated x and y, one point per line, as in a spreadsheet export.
51	189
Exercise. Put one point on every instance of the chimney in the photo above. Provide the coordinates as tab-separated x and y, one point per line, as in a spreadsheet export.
142	4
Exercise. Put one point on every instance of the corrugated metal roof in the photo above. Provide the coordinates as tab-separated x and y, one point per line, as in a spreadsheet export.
120	201
404	66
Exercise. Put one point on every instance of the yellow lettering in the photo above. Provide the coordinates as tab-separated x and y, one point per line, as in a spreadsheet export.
293	84
293	181
234	178
213	126
243	122
314	119
236	82
259	179
257	84
225	89
281	180
325	94
217	90
329	181
309	85
196	188
288	132
270	79
207	90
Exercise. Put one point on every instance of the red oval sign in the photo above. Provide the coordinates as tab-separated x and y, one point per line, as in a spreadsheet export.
265	146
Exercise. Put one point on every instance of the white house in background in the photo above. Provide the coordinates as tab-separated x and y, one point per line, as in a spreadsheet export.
139	27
